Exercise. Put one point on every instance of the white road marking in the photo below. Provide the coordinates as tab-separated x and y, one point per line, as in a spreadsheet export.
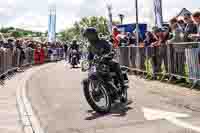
154	114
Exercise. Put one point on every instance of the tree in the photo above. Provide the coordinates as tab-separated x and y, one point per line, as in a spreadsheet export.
25	33
17	34
77	29
100	23
68	34
6	30
38	34
46	33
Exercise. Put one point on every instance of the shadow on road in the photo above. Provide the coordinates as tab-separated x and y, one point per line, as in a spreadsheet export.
2	83
118	110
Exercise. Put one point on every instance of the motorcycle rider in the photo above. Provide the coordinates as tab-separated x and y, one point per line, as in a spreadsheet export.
102	47
74	46
66	50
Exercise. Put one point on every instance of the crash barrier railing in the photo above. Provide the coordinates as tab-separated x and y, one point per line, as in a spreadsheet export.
12	59
179	60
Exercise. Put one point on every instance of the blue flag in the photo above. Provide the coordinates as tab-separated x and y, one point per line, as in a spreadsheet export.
52	26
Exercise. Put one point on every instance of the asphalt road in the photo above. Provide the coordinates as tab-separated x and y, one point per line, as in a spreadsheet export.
57	98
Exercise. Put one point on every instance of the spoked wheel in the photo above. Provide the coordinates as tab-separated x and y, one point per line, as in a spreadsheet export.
98	97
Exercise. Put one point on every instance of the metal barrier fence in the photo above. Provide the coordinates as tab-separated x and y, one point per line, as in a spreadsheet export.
179	60
11	60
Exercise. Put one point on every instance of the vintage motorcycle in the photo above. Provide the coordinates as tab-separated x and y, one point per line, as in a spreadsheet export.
74	58
101	88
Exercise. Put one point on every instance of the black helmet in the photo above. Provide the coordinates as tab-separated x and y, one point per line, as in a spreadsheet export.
90	30
91	34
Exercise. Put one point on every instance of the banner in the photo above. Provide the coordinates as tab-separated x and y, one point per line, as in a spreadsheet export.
52	25
158	13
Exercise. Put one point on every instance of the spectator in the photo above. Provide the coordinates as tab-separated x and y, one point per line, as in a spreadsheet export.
175	30
115	34
160	50
176	52
181	25
23	43
37	55
42	54
193	54
149	39
22	53
2	40
1	43
196	18
30	54
190	28
10	44
131	39
122	39
31	44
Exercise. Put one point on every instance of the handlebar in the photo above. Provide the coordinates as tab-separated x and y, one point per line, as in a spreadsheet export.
107	56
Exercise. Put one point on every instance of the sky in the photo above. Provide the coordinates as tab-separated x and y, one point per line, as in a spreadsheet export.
33	14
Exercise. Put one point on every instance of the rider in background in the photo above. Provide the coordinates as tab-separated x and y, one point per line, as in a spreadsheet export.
74	46
66	50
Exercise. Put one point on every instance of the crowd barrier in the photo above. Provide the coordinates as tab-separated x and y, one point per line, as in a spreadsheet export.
11	60
179	60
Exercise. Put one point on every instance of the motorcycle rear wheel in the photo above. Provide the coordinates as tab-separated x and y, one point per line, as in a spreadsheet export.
124	96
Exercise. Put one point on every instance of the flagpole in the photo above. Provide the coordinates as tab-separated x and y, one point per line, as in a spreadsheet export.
55	25
137	24
158	13
161	11
109	7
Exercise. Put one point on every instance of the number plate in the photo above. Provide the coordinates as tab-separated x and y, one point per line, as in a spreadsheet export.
93	69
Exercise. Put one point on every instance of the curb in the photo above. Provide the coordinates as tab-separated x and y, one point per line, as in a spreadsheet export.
28	119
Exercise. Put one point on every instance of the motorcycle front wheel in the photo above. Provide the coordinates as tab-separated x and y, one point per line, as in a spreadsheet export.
96	94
